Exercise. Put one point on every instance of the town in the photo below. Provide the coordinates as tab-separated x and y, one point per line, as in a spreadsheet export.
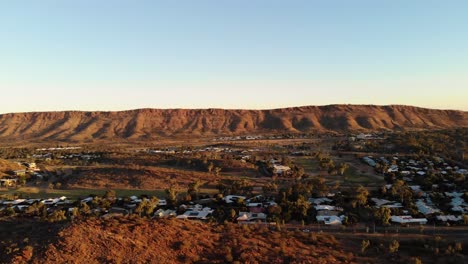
418	189
304	183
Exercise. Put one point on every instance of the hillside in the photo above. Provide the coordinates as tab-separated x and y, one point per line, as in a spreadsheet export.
133	240
144	124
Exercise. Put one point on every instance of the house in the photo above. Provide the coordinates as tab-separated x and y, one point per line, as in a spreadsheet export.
369	161
251	217
14	202
164	213
162	202
318	201
327	208
87	200
330	219
31	165
407	219
458	203
386	203
118	210
449	218
54	200
263	204
259	201
196	215
19	173
280	169
424	208
38	175
363	136
393	168
233	198
8	182
328	214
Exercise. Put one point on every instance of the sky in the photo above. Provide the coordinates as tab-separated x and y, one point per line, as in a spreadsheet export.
252	54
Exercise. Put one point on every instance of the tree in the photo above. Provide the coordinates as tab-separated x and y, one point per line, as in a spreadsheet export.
270	188
194	189
393	246
110	194
56	216
84	209
217	170
383	215
415	260
35	209
22	180
401	191
343	167
360	197
210	167
365	245
146	206
171	194
274	213
301	207
232	214
10	211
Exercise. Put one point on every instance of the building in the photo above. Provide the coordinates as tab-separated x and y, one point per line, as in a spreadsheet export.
196	215
8	182
251	217
407	219
19	173
233	198
280	169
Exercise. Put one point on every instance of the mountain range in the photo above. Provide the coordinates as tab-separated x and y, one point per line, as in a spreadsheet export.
148	124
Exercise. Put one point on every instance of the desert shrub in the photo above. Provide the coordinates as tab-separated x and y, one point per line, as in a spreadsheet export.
450	250
328	239
27	252
415	260
10	211
228	254
393	246
365	245
56	216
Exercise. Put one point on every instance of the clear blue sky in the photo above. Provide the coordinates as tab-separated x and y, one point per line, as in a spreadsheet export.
115	55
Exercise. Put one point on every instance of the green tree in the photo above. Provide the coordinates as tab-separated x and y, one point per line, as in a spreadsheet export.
364	245
22	180
342	168
10	211
210	167
110	194
35	209
383	215
84	209
360	197
171	195
217	170
415	260
57	216
194	189
393	246
270	188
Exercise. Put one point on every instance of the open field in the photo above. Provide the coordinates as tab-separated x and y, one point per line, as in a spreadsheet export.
356	174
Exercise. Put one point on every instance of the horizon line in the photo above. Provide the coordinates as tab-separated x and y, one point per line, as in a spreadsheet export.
233	109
